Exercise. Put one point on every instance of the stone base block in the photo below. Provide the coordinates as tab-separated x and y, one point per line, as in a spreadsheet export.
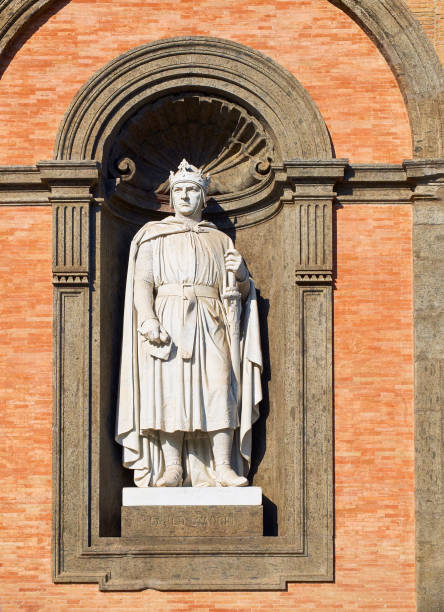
191	496
216	521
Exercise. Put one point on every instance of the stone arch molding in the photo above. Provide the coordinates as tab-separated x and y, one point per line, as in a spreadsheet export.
414	63
200	64
162	90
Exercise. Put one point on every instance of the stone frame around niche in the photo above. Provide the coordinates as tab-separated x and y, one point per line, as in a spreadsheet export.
304	176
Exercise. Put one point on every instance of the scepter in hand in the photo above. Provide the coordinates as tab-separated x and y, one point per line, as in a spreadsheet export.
232	299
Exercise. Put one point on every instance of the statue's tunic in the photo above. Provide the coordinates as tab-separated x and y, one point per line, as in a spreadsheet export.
187	385
191	391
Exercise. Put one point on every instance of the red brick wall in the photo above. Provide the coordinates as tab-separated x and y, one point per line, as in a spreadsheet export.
358	97
431	16
331	56
373	429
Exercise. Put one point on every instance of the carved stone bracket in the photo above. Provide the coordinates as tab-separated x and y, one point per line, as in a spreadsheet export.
70	186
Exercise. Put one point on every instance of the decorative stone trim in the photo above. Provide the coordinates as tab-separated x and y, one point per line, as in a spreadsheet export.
200	64
313	277
70	196
22	186
70	279
374	184
310	186
361	184
427	177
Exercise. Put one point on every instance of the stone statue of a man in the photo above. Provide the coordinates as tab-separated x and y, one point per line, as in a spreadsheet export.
191	361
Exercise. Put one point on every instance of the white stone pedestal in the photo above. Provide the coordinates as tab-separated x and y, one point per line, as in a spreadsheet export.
192	496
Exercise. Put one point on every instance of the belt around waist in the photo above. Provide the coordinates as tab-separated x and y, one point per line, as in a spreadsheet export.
188	291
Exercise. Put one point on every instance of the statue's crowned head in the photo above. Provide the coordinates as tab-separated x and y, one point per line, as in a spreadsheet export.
187	173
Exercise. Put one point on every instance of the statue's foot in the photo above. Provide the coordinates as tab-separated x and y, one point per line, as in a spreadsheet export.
227	477
172	477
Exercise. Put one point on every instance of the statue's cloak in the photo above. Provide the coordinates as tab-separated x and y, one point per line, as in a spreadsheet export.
141	448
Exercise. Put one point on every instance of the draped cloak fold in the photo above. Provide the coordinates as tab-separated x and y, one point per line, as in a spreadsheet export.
138	420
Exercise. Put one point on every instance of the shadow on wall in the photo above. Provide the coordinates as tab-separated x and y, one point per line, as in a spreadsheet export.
221	219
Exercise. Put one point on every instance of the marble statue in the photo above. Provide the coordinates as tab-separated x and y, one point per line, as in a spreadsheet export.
191	359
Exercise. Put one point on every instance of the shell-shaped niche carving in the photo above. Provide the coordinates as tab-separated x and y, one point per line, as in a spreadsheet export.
218	136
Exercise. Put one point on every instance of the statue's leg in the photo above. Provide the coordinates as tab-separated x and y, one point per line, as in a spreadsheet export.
171	444
221	443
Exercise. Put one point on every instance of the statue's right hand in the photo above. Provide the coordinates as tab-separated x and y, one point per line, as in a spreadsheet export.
152	331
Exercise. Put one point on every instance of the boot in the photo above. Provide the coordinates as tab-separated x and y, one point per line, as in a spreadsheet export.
227	477
172	477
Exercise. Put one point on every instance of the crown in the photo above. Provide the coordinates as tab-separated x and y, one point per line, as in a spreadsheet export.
187	173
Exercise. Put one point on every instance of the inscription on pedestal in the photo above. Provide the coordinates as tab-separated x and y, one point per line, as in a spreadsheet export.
191	521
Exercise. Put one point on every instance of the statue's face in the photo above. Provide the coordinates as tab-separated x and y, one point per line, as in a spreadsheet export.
187	198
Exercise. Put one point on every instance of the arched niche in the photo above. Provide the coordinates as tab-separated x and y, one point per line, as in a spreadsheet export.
146	110
389	23
201	64
249	123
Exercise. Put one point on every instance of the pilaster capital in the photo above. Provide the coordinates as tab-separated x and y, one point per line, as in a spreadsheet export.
69	180
309	179
426	177
71	185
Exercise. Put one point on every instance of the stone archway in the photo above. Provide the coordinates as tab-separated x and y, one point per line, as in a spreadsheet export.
389	23
216	66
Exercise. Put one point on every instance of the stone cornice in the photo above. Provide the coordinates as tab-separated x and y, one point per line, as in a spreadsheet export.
431	170
22	186
350	184
374	184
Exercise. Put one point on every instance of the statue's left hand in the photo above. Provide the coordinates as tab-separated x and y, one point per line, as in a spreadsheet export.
235	263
